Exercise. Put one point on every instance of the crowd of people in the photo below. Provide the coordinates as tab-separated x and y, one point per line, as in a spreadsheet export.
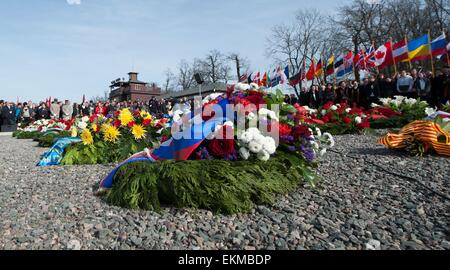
24	113
415	84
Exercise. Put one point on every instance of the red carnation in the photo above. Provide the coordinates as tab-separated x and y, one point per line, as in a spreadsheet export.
346	120
256	100
284	129
300	131
146	122
117	123
131	124
363	125
325	119
92	118
222	148
117	113
328	105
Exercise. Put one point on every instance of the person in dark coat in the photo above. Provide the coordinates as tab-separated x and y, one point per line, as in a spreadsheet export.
371	93
42	112
329	94
9	114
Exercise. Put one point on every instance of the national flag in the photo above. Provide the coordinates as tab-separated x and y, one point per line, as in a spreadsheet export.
400	51
311	72
296	79
339	62
383	56
277	78
285	75
263	81
357	60
439	45
256	78
319	69
369	59
445	57
330	66
303	70
243	78
419	49
339	66
348	62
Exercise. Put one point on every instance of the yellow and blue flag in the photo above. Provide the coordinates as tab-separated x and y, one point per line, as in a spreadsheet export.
419	49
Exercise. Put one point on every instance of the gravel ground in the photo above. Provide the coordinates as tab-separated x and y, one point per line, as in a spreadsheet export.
356	206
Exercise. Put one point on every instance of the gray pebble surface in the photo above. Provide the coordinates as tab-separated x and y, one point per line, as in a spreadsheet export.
356	206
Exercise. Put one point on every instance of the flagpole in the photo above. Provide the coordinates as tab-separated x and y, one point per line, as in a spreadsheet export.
393	57
409	59
431	54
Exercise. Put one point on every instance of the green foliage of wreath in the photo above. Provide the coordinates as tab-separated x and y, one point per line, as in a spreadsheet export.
216	185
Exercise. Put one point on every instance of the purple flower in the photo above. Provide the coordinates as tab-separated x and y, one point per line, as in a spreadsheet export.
291	117
292	148
308	153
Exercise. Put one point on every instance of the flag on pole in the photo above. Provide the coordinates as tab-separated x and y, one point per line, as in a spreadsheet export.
330	66
383	56
348	62
319	69
256	79
296	79
439	45
311	72
263	81
419	49
400	51
285	76
445	57
370	57
339	66
243	78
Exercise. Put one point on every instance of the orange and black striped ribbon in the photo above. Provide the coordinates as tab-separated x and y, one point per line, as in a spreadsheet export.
426	132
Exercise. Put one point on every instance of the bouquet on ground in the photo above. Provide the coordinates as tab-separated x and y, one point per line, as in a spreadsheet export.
114	137
232	152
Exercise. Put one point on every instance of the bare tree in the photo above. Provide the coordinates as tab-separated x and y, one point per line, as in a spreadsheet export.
293	44
169	80
214	67
241	64
185	75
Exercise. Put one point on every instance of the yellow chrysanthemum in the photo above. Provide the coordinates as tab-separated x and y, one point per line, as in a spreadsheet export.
86	137
111	134
94	127
146	116
104	127
125	117
138	131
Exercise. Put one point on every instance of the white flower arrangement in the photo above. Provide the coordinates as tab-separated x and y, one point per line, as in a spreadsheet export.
82	125
358	120
322	142
241	87
430	111
264	113
253	142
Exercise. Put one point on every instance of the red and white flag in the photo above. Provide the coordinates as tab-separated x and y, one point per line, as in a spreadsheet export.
400	51
257	77
383	56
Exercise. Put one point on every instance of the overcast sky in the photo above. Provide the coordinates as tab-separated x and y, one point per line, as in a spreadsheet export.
67	48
